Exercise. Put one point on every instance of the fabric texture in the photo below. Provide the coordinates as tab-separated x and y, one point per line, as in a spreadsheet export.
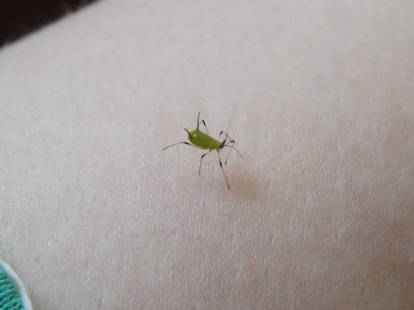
12	293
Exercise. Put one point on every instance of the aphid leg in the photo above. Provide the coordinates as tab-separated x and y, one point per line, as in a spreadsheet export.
226	136
202	122
176	144
198	120
205	126
232	147
231	143
201	160
222	169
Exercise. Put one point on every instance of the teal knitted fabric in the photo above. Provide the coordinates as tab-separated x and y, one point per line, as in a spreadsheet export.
9	295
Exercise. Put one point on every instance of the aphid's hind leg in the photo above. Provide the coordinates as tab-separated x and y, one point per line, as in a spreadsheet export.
234	148
201	160
231	143
226	136
222	169
176	144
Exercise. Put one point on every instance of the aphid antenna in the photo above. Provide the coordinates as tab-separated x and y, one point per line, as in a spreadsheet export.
187	131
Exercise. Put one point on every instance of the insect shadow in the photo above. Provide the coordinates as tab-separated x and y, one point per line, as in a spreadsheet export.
248	186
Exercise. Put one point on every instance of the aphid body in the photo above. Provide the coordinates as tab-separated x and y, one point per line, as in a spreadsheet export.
203	140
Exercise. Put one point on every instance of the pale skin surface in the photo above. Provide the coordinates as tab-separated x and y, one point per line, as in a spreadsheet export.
318	96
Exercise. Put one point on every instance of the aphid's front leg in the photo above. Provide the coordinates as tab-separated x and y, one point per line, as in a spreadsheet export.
205	126
176	144
222	169
201	160
202	122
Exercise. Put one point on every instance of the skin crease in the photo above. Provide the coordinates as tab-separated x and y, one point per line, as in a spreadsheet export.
319	97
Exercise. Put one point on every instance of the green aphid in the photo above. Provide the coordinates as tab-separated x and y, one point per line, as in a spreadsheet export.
204	141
